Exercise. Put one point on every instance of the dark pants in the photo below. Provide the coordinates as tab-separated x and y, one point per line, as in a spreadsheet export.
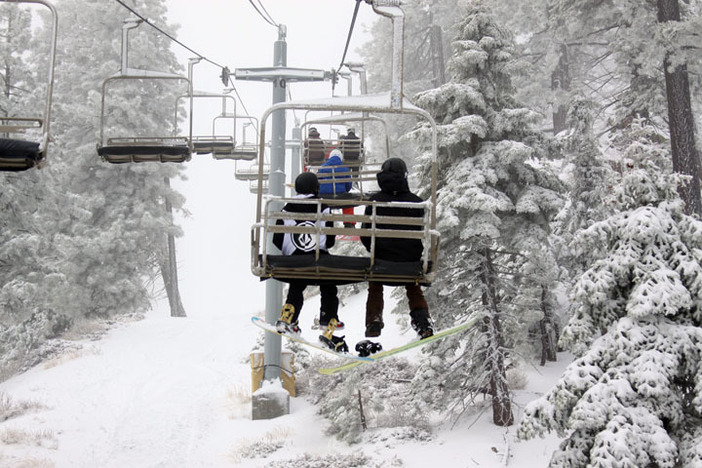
374	303
329	303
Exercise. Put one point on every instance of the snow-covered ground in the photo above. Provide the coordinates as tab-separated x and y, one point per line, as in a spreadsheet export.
175	392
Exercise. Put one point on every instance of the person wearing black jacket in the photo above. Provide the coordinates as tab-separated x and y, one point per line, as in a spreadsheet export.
307	187
394	187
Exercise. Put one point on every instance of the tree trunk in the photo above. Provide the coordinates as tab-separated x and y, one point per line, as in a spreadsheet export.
169	267
681	123
560	84
549	334
499	390
436	44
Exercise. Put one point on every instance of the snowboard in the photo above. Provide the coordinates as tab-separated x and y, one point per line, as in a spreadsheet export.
261	323
390	352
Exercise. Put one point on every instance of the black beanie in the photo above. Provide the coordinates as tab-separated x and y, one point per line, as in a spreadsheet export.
307	183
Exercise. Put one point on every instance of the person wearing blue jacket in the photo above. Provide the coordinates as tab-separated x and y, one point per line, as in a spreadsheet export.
333	168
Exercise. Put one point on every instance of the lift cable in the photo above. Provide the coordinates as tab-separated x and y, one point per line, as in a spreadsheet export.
268	14
147	21
267	19
348	41
226	77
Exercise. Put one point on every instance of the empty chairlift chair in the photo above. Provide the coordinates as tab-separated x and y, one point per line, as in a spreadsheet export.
243	150
220	144
148	148
24	136
149	90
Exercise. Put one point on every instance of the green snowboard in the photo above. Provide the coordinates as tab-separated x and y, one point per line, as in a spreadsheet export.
399	349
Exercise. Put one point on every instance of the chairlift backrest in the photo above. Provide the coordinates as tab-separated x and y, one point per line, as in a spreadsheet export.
16	152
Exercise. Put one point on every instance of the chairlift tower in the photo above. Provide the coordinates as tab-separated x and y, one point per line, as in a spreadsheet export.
279	75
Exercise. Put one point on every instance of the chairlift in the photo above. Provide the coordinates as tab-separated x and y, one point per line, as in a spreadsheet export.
24	138
363	170
220	144
245	150
345	269
257	188
152	148
250	172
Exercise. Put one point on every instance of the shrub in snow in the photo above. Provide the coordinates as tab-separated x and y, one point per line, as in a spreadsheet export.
384	394
353	460
634	395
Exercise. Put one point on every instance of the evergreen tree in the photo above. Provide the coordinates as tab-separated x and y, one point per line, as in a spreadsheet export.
28	263
632	398
82	238
119	243
494	207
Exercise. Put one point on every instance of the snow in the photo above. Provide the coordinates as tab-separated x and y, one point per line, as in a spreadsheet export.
175	392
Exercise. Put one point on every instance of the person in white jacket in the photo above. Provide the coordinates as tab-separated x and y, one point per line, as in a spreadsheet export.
307	187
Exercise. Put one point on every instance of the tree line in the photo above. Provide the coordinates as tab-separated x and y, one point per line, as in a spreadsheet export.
569	205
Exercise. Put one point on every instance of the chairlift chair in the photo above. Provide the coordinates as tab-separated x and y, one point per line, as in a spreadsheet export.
250	172
245	150
220	144
314	267
135	149
363	171
18	153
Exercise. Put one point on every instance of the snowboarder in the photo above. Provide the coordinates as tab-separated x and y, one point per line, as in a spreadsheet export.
351	148
394	187
307	187
315	149
333	168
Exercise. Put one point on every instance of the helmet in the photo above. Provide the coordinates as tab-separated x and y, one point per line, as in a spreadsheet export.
307	183
394	165
336	153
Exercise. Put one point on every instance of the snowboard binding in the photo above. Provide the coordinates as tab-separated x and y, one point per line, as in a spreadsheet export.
335	343
367	347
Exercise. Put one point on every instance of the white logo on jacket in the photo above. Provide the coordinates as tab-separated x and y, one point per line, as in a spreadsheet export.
305	242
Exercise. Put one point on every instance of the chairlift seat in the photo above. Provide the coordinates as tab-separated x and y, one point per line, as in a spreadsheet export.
128	150
216	145
19	155
245	152
344	270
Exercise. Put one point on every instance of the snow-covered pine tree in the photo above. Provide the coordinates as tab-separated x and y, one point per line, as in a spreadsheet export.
116	232
28	263
590	178
494	207
80	238
633	397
